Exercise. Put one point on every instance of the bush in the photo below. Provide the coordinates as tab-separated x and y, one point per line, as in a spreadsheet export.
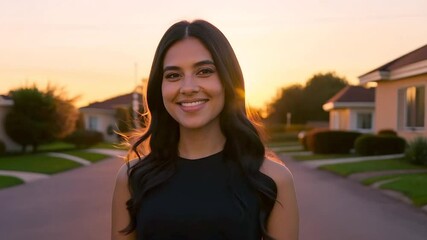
416	152
369	145
331	142
2	147
84	138
388	132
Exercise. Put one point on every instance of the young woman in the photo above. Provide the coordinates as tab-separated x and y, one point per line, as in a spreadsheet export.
206	174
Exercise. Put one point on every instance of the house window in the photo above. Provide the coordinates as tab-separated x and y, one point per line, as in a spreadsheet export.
93	123
414	107
364	121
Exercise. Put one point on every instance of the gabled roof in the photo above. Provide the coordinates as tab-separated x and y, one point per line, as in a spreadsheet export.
410	64
115	102
351	96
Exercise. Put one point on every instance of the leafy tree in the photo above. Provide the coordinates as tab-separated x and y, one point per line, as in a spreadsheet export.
305	103
289	100
319	89
39	117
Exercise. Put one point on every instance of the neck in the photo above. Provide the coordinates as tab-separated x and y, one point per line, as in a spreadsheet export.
198	143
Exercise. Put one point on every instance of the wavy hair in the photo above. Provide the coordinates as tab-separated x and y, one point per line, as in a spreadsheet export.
243	146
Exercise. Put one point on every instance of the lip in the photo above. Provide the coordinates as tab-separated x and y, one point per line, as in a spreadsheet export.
192	105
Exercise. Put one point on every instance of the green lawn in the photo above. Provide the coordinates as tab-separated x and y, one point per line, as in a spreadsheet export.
369	181
40	163
322	156
56	146
283	144
413	186
108	145
7	181
90	156
346	169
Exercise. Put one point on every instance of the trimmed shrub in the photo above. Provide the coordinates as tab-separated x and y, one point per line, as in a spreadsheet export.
84	138
416	152
389	132
330	142
2	147
369	145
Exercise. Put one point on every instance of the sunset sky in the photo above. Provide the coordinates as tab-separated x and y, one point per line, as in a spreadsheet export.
91	47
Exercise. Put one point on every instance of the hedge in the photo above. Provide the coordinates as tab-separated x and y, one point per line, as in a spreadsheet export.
368	145
331	141
84	138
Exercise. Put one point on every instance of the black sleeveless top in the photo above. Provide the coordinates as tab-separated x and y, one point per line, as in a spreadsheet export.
198	202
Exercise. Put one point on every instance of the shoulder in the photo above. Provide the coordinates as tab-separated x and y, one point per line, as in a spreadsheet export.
122	174
277	171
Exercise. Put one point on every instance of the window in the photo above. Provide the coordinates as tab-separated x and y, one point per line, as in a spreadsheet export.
414	107
364	120
93	123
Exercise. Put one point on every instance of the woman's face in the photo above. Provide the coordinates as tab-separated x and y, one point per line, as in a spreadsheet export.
191	89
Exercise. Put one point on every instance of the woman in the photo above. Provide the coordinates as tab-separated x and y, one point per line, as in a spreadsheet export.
205	175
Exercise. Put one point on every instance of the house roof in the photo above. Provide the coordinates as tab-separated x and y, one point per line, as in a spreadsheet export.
410	64
351	96
115	102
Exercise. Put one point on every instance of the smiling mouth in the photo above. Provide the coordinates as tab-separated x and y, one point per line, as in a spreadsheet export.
192	104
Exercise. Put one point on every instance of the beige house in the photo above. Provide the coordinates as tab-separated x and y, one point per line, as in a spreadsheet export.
352	109
5	104
101	116
400	99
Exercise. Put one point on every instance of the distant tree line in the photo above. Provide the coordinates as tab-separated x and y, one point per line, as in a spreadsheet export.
304	103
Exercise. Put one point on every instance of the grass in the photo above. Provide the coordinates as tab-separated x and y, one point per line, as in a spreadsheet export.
322	156
372	180
412	185
39	163
7	181
107	145
346	169
90	156
56	146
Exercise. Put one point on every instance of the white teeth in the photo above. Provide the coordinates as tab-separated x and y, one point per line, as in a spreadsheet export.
190	104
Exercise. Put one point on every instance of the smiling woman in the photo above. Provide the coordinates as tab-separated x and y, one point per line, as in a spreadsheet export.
206	174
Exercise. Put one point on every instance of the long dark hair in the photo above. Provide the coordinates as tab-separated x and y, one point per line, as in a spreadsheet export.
243	143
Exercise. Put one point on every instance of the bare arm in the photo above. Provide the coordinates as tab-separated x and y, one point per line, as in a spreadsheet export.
283	223
120	216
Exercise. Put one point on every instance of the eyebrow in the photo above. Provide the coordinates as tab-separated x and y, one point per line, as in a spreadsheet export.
197	64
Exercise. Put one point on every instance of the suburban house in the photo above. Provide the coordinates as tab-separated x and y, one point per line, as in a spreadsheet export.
5	104
400	95
101	116
352	109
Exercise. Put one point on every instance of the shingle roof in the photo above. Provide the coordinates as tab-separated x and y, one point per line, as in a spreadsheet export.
115	102
417	55
354	94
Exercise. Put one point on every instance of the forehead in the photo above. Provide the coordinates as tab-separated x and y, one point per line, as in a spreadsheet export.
187	51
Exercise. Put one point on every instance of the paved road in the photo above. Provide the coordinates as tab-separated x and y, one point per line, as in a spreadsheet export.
76	205
67	206
335	208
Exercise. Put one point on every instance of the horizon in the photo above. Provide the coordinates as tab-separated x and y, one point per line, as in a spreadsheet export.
101	49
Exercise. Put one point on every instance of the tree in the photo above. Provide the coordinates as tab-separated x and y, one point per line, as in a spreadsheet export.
289	101
319	89
39	117
305	103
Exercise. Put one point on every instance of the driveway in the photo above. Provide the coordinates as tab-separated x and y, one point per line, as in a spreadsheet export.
67	206
336	208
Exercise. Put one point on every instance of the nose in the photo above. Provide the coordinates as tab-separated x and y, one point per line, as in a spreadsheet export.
189	86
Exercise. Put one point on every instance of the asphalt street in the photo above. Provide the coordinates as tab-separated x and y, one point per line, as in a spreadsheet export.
76	205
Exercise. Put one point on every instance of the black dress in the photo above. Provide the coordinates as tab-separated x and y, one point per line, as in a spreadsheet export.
198	202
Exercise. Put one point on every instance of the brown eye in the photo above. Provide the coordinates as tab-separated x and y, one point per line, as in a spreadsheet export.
172	76
205	72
